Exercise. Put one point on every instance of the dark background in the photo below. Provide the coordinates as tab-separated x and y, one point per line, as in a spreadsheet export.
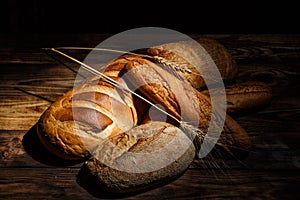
204	17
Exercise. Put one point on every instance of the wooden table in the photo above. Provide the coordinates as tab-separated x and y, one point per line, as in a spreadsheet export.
31	80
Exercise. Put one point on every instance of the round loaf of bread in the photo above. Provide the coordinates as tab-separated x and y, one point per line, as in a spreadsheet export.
196	62
221	56
83	117
138	159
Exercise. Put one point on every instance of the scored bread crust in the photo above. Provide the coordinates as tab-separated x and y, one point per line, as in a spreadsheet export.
145	73
95	101
55	130
146	138
83	117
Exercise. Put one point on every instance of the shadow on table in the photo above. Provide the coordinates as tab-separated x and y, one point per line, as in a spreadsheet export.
35	149
38	152
91	183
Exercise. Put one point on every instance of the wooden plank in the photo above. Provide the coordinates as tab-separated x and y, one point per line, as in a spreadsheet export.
21	114
23	149
27	87
53	183
39	183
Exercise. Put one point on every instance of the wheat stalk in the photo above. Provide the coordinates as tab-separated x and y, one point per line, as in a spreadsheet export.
194	133
174	66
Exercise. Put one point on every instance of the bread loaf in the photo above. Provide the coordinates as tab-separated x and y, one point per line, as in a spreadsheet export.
197	60
245	97
221	56
116	69
164	89
149	140
83	117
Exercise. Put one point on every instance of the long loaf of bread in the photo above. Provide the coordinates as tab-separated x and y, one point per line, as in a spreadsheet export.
164	89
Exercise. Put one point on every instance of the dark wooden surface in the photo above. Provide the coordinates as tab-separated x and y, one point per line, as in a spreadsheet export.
30	80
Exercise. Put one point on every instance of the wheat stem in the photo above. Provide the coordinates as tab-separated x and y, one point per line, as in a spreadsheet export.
112	81
173	65
192	131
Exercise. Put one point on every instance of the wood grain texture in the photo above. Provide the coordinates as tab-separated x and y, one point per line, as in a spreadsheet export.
56	183
30	80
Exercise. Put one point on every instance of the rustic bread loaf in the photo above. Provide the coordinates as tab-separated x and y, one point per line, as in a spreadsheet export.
197	60
125	149
245	97
56	130
83	117
166	90
221	56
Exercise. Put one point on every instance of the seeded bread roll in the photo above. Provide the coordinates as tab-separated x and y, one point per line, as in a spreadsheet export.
197	60
146	171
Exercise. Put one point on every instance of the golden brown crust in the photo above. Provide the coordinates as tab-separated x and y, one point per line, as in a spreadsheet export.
151	81
55	130
247	97
144	72
187	54
97	116
114	68
165	90
167	51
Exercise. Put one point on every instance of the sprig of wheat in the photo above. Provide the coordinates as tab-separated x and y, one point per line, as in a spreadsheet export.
175	67
191	131
182	67
196	135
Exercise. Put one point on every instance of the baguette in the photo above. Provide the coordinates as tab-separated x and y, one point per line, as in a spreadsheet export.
243	98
